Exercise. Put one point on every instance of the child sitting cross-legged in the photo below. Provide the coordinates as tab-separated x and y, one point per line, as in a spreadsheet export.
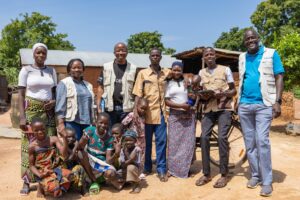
130	159
44	161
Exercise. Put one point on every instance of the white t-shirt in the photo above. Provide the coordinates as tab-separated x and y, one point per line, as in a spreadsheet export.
229	76
38	82
177	94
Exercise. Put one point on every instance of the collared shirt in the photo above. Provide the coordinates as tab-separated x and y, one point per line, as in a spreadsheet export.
151	86
251	91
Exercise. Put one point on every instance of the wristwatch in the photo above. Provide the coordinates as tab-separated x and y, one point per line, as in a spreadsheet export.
279	101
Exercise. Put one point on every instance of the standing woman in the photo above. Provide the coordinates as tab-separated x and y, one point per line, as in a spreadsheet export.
181	125
75	99
36	85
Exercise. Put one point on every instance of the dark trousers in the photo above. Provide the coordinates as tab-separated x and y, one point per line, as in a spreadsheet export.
207	124
160	131
117	115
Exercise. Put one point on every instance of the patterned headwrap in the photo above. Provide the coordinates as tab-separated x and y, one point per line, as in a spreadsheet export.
129	133
36	45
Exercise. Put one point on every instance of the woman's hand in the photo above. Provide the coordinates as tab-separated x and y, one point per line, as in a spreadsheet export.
186	106
22	125
49	105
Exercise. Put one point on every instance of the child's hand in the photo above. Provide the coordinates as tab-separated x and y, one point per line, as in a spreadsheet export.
186	106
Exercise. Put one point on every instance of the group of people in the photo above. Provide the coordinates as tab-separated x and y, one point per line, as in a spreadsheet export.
67	143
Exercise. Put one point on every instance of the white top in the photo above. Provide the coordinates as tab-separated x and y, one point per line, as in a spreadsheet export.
38	82
177	94
229	76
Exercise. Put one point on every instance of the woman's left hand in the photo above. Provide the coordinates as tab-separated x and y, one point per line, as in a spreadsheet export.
49	105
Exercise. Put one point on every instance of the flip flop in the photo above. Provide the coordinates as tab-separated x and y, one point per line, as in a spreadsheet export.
203	180
221	182
94	189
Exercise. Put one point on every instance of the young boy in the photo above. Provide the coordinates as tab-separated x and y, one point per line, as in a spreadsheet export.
130	159
75	164
44	162
137	124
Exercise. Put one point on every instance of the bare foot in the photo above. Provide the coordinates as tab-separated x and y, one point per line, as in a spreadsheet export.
25	189
40	191
136	188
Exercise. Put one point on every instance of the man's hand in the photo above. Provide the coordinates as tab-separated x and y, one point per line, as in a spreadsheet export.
276	110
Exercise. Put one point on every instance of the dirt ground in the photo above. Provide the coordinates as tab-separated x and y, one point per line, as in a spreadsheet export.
285	158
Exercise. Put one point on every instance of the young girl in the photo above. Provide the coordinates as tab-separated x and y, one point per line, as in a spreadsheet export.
130	159
99	152
44	162
181	125
137	124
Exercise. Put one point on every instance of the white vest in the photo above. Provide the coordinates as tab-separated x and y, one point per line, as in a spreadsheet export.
72	98
127	86
266	79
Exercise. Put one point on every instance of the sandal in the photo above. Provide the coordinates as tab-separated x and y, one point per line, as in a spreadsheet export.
94	189
221	182
203	180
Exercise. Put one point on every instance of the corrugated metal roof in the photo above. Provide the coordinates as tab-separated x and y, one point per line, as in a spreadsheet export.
199	50
91	59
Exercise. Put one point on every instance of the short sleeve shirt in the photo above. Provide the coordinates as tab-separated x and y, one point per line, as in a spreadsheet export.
151	86
176	92
38	82
251	91
97	146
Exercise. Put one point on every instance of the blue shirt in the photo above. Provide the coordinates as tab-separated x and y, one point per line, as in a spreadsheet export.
84	102
251	91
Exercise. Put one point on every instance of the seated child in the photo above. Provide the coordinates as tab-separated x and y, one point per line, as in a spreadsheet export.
75	164
117	132
137	124
99	152
44	161
130	159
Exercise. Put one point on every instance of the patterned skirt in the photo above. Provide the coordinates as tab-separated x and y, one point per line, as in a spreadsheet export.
181	142
34	109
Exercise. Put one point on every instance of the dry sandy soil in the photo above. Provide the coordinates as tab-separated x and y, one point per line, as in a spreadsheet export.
285	158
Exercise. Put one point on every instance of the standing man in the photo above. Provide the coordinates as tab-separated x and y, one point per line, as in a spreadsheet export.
218	83
150	84
115	85
260	91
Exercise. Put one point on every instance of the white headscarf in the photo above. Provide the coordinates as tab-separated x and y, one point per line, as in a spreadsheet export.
35	46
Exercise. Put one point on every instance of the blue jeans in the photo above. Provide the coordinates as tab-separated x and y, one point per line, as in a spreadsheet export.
77	127
256	122
160	131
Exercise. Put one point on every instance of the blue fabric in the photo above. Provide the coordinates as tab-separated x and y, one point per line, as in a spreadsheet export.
84	102
256	122
251	92
77	127
160	143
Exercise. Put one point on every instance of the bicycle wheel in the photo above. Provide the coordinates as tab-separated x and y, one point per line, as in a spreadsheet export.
237	150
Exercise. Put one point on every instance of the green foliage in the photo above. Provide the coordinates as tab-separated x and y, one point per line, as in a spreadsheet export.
274	18
232	40
24	33
143	42
288	48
